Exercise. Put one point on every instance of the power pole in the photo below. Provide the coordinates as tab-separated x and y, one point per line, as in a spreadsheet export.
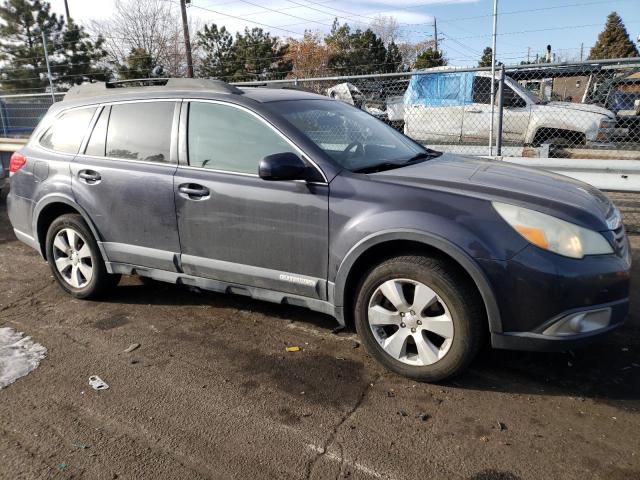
581	51
187	40
435	32
66	9
528	53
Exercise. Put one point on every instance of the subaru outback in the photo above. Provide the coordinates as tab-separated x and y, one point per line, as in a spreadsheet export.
295	198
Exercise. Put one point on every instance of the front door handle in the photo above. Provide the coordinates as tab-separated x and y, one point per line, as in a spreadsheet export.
89	176
194	191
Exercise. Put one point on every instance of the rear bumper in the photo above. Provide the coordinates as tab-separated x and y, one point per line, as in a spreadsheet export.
542	340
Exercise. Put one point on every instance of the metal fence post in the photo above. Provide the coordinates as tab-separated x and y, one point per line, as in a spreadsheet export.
500	112
46	59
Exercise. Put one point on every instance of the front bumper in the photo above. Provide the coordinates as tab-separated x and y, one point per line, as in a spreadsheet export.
536	289
543	340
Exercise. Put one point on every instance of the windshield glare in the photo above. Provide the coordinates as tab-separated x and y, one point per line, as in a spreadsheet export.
527	93
351	137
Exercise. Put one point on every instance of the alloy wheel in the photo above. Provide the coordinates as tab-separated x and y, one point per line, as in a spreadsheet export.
410	322
72	257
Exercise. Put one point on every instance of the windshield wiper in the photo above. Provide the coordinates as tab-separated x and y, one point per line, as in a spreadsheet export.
417	158
422	156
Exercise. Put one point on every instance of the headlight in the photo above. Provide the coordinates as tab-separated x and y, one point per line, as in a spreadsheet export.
607	123
553	234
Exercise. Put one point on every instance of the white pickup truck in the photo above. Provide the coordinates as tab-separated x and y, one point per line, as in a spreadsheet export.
454	107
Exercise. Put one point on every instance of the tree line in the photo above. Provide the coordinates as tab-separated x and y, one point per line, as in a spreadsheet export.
143	38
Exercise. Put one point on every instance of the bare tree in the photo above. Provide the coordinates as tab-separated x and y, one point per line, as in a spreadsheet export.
410	52
386	27
152	26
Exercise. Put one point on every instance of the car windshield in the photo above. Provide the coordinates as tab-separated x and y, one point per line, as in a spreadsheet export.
351	137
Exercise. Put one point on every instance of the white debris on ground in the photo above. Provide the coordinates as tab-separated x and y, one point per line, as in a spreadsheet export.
19	355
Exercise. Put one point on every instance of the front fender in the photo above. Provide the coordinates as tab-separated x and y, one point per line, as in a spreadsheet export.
430	240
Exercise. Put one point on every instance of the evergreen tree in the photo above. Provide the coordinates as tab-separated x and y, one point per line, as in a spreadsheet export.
259	56
81	57
485	59
613	41
430	58
393	59
360	52
217	47
72	55
139	64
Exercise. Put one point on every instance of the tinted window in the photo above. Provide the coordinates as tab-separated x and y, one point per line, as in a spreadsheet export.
97	141
227	138
140	131
482	90
67	131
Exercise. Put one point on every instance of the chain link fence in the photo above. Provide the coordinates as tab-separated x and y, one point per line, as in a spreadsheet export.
578	110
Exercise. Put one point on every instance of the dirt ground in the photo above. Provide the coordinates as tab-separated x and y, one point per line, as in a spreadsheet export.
211	393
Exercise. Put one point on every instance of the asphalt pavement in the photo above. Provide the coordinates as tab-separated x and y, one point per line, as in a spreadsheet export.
211	393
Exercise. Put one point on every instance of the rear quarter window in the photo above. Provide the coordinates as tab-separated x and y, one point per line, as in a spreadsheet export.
67	131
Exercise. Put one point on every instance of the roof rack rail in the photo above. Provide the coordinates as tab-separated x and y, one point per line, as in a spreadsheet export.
111	88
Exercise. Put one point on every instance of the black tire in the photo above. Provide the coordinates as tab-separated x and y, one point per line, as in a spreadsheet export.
456	291
101	281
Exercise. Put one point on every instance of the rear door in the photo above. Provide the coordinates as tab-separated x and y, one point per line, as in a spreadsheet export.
235	226
477	115
123	178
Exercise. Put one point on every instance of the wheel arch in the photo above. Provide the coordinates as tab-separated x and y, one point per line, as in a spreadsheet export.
51	207
386	244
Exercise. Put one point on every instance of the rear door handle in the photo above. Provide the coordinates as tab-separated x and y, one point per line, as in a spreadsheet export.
89	176
194	191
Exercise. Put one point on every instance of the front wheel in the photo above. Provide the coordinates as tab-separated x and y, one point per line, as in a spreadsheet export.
420	317
75	259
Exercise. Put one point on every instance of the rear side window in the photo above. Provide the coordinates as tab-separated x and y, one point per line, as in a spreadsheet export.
227	138
140	131
482	90
67	131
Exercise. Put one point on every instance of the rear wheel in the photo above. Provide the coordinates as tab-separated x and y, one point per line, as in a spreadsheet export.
420	317
75	259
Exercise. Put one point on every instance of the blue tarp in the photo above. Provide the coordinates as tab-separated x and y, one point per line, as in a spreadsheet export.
440	89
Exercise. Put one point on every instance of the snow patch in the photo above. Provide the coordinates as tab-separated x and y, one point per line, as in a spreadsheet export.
18	355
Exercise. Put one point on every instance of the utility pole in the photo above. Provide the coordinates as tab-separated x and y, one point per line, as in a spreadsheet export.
187	40
493	73
46	59
581	51
66	9
528	53
435	32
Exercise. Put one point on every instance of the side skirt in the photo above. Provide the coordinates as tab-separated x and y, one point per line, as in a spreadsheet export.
228	287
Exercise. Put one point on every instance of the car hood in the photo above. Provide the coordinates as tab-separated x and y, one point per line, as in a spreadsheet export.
547	192
580	107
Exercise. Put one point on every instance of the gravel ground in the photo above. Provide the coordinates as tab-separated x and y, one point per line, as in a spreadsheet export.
211	393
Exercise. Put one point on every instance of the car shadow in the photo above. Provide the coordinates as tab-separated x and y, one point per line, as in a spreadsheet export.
606	371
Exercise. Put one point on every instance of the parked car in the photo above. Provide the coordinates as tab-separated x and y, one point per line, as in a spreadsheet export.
452	107
294	198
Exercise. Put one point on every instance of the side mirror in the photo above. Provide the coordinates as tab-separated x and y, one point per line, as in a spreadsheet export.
282	166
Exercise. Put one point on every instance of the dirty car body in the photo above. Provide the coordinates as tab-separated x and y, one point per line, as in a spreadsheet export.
307	222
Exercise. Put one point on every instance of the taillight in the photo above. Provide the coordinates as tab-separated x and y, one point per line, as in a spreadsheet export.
16	163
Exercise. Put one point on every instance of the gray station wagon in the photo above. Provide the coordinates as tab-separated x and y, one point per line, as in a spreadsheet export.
291	197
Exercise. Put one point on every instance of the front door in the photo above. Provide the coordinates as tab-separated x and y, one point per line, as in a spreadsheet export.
124	180
236	227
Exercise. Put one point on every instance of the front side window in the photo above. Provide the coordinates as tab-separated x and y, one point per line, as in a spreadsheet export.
140	131
67	131
227	138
